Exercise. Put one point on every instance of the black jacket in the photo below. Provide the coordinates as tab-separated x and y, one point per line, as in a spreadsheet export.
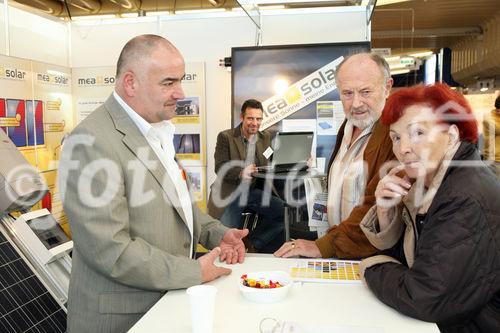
455	278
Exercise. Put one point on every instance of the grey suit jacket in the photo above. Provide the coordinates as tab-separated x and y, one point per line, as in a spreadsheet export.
127	253
230	147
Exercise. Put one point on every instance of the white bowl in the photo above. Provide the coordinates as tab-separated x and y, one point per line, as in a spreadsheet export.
267	295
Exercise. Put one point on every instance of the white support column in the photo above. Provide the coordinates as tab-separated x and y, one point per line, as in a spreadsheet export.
6	23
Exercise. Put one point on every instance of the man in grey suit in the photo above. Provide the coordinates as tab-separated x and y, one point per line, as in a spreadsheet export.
238	153
134	227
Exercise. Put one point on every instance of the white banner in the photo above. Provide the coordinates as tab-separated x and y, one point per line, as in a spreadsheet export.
300	94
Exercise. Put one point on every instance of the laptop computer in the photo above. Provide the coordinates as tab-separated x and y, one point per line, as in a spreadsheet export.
291	152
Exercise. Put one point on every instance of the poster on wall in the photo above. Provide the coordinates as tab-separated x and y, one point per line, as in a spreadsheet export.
189	122
16	90
52	96
187	111
36	114
187	146
196	177
329	116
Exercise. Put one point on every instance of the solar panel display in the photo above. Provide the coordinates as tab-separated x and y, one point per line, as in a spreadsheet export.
25	304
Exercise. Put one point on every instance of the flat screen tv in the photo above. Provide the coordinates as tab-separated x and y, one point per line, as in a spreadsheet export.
255	71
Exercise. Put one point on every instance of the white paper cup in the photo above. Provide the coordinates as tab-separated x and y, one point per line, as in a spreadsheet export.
202	300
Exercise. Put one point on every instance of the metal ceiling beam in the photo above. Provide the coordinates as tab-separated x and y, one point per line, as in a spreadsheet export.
429	33
128	4
51	7
302	2
90	6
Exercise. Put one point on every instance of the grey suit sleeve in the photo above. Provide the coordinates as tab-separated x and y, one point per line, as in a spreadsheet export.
222	155
102	232
212	230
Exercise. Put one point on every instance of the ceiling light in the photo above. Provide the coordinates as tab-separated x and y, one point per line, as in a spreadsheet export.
275	7
389	2
200	11
93	17
158	13
273	2
127	15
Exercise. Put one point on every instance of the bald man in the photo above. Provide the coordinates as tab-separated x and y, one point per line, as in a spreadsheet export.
363	146
135	228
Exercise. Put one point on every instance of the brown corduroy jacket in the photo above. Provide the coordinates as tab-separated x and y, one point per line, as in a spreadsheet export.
346	240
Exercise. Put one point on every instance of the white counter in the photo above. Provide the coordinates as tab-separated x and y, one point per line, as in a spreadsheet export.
320	303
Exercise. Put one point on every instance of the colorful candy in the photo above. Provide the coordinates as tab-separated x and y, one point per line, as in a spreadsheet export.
260	283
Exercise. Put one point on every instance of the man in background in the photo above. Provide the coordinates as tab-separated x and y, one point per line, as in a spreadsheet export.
362	147
134	226
238	153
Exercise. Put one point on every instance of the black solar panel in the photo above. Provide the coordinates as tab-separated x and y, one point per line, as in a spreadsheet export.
25	303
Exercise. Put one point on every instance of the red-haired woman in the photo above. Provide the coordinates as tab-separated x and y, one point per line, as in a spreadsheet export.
439	224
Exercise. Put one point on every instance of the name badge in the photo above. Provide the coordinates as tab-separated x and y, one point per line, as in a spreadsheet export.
268	152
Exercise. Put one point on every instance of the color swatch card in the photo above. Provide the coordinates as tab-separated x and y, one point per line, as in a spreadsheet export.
327	270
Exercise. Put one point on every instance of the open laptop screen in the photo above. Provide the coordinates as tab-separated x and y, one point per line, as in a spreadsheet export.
292	148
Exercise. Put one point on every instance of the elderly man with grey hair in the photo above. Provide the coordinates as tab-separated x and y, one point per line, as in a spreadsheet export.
363	146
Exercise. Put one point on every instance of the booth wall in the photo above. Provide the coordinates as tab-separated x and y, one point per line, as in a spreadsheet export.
309	28
2	29
34	37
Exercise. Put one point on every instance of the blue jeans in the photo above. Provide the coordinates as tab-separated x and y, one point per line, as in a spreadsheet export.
270	225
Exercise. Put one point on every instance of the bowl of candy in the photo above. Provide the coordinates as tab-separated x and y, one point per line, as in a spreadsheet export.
265	287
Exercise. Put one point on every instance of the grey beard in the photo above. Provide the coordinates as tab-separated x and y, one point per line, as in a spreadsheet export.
362	123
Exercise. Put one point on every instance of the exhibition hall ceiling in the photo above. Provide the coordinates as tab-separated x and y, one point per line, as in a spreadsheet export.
67	8
402	25
429	24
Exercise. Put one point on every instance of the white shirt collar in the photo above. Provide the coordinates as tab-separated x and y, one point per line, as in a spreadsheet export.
144	126
164	127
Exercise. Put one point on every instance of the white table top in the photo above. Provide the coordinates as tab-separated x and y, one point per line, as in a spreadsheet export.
307	303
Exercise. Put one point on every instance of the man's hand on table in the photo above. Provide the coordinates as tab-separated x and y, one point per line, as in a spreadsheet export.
298	247
232	247
209	271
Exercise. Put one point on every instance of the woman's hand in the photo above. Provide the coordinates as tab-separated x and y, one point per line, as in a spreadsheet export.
389	192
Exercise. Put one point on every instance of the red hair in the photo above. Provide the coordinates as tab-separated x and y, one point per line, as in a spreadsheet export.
450	106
